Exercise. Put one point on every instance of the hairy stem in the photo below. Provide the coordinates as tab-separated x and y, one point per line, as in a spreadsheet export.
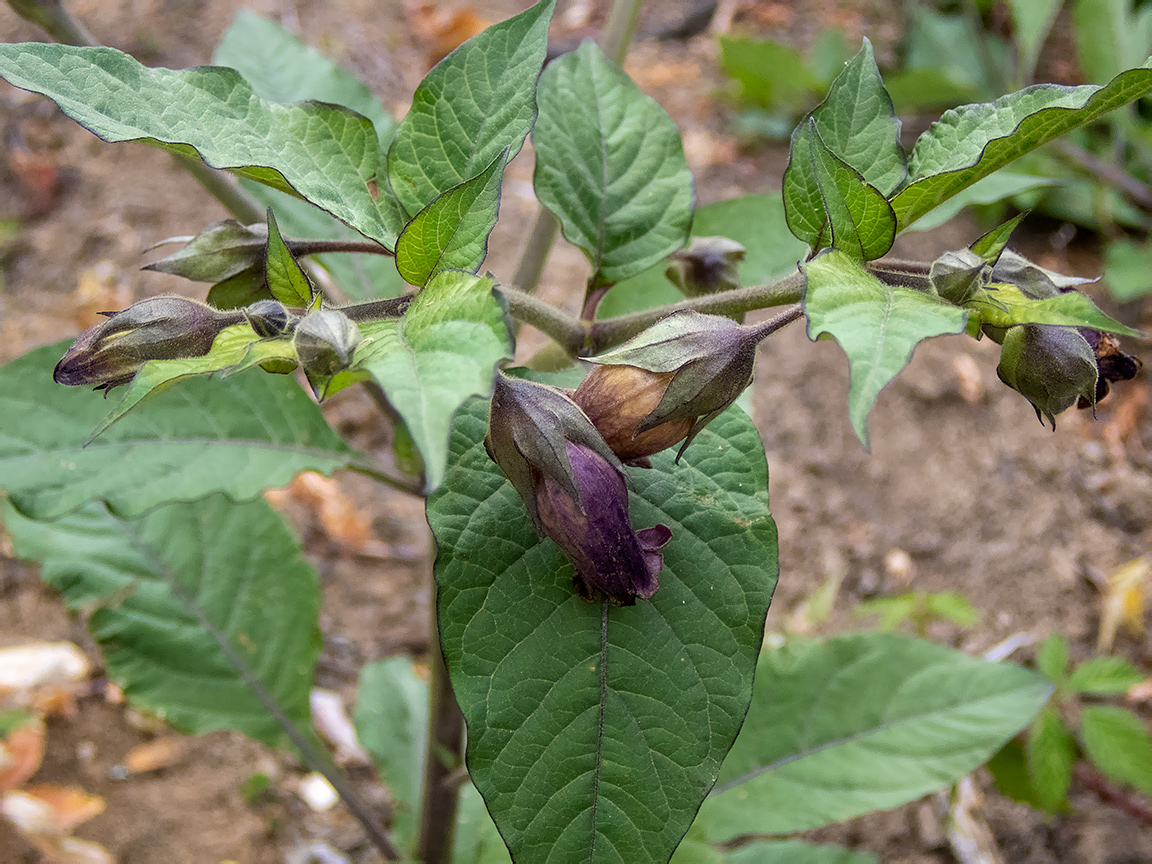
614	43
323	247
612	331
442	756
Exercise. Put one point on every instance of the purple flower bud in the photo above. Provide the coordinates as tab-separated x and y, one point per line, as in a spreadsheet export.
1111	363
574	487
610	557
158	328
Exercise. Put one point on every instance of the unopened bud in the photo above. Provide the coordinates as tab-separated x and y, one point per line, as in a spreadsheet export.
158	328
705	266
710	359
325	341
618	398
268	318
1052	367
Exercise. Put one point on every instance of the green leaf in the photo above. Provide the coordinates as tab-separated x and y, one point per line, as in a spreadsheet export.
281	68
320	152
391	718
430	361
972	141
474	104
391	723
953	606
235	347
1052	658
1101	28
1050	753
188	604
1103	676
861	723
768	75
859	220
1127	269
238	436
1006	305
610	164
877	325
1119	744
856	122
1009	770
756	221
990	246
995	187
243	289
286	280
1031	22
452	232
594	738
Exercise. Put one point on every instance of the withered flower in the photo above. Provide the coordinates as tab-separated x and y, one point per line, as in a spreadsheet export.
697	365
158	328
1112	364
575	489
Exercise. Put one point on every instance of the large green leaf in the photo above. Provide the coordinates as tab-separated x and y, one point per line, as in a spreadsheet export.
972	141
769	75
797	852
1051	755
237	436
392	724
610	164
281	68
594	732
321	152
756	221
861	723
475	103
189	603
430	361
877	325
452	232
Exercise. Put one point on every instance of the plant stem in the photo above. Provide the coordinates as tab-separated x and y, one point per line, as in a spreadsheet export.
61	26
614	41
323	247
442	754
612	331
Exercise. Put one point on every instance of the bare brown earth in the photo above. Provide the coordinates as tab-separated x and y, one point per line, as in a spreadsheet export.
982	499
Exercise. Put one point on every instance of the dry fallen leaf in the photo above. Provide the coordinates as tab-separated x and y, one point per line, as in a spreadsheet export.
156	754
99	288
21	753
48	809
443	29
317	792
968	378
340	518
45	676
69	850
1123	602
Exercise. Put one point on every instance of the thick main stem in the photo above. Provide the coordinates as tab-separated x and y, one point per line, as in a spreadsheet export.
442	755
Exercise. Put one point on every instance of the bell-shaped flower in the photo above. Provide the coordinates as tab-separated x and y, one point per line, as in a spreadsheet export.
575	489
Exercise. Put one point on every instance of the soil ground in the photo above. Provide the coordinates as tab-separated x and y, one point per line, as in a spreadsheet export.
981	498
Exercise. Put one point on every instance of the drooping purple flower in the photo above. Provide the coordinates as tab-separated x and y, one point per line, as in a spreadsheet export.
575	489
610	557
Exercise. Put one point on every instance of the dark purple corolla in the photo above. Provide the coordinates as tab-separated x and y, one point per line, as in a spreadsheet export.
575	489
610	557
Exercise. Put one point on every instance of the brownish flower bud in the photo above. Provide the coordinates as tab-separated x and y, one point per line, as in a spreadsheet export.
617	399
158	328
